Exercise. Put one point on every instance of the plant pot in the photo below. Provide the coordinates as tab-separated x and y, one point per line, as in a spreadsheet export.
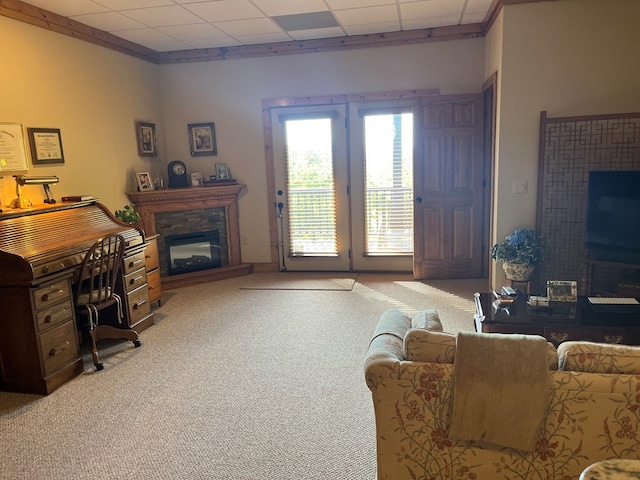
518	272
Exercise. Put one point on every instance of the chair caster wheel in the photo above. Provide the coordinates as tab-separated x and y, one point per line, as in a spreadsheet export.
136	343
99	366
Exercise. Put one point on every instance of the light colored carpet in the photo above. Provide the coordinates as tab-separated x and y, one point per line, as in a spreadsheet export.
230	384
300	281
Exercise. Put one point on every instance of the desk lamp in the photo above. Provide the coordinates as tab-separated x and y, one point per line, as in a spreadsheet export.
21	180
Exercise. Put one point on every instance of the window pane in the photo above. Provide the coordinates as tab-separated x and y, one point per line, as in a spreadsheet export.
311	205
388	184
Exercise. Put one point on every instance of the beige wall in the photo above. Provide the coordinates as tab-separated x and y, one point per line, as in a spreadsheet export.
568	57
93	95
230	93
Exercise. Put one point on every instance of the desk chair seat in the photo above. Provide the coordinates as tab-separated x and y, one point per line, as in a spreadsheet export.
95	290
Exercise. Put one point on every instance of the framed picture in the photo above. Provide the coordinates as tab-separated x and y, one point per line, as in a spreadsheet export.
46	145
222	171
196	179
202	139
13	155
144	181
146	135
562	291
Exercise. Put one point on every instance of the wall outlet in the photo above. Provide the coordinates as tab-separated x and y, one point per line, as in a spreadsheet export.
519	186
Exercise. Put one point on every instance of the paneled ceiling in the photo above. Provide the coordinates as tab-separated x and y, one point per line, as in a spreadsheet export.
183	25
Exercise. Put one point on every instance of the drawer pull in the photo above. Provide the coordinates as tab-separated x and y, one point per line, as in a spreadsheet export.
134	280
57	351
131	264
47	319
613	338
558	336
45	297
139	304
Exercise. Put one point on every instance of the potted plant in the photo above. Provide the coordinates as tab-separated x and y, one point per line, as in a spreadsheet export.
128	214
520	252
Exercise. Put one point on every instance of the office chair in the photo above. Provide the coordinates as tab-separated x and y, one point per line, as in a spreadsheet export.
95	290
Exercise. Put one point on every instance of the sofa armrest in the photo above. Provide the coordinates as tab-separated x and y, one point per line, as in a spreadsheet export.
386	347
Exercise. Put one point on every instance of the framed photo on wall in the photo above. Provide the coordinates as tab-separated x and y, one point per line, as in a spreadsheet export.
146	136
46	145
202	139
13	155
143	179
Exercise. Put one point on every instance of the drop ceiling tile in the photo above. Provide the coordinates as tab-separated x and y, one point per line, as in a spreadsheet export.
346	4
430	22
280	7
153	39
372	28
109	21
132	5
163	16
362	16
68	8
254	26
224	10
187	33
473	17
317	33
214	42
264	38
432	8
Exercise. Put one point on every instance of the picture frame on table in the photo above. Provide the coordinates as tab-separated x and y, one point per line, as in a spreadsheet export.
143	179
562	290
196	179
46	146
202	139
146	137
222	171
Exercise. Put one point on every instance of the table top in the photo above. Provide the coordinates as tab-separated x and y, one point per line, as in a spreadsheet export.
579	313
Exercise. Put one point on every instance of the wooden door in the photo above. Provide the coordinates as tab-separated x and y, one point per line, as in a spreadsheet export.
448	183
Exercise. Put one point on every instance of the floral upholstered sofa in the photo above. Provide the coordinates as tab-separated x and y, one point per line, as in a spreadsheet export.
593	411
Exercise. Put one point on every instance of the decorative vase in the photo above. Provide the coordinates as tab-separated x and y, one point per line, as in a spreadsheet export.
518	272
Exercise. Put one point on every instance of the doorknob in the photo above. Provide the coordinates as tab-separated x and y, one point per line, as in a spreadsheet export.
418	199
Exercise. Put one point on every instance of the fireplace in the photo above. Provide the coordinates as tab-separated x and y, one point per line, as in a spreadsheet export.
193	251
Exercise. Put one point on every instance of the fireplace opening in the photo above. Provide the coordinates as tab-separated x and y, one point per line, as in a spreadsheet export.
193	251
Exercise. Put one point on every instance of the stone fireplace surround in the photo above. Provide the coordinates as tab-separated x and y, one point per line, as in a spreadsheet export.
197	208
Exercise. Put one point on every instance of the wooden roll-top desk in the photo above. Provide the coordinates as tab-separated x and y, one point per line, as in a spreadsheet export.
41	249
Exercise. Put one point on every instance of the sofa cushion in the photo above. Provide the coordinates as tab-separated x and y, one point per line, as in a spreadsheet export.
598	358
422	345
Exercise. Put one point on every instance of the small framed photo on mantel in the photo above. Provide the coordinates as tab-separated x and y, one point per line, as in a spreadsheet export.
202	139
562	290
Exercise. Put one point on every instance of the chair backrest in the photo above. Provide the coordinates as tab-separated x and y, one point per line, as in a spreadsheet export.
99	271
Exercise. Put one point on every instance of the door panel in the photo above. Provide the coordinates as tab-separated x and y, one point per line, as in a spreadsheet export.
448	187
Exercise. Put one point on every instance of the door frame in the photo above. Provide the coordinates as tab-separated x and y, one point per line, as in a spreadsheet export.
267	105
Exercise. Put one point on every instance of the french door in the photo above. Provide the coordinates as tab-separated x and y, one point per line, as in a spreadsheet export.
343	185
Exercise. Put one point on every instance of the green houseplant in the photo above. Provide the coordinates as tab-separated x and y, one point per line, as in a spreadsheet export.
520	252
128	214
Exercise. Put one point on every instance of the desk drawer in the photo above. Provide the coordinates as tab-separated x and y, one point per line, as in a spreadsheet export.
135	279
138	304
54	315
151	254
58	346
51	294
134	262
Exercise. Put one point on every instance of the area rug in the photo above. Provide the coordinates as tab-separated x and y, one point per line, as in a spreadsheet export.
301	281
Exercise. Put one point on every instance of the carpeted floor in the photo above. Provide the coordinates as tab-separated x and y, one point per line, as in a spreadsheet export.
230	384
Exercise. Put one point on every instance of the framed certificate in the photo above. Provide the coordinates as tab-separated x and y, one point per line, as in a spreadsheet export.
12	153
562	290
46	145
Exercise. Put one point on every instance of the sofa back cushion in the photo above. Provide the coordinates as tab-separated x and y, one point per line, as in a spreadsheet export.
440	347
599	358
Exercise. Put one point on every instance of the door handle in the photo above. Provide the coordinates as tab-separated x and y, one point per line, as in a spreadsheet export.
418	199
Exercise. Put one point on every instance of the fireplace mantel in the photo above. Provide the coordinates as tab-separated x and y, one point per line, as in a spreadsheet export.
150	203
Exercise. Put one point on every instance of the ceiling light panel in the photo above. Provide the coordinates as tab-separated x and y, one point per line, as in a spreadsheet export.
306	21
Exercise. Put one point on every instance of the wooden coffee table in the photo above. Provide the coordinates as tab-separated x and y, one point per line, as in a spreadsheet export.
561	322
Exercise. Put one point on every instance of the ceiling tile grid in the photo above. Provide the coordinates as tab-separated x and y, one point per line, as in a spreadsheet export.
169	25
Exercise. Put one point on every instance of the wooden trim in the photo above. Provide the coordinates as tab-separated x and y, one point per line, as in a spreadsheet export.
57	23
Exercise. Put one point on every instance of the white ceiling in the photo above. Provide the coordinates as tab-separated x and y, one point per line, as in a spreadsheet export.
168	25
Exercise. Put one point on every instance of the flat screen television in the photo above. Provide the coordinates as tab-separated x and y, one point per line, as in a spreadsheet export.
613	216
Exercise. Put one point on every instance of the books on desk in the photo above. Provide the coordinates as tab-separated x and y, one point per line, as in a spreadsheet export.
76	198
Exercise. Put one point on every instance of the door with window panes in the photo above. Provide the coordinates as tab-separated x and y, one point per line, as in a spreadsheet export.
344	186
